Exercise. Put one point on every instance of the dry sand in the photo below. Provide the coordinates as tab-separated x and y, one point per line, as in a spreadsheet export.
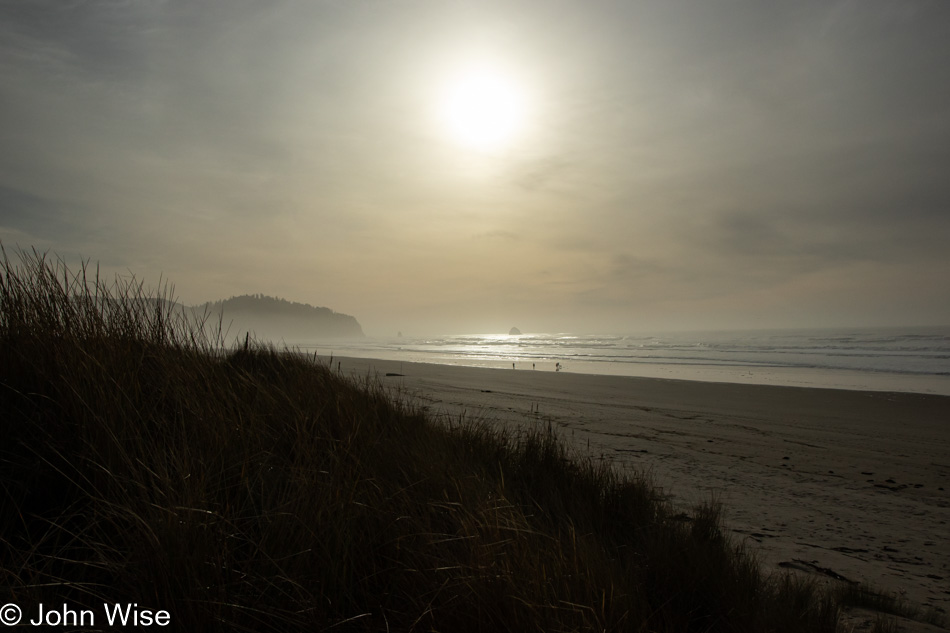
848	484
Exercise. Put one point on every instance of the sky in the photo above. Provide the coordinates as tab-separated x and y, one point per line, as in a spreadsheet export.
638	166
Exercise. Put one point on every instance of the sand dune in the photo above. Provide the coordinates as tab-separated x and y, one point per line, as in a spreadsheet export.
847	484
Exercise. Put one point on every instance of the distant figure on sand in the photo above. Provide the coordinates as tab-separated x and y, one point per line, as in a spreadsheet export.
532	365
512	365
557	366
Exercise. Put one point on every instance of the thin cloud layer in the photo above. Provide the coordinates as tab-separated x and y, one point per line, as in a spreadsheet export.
684	165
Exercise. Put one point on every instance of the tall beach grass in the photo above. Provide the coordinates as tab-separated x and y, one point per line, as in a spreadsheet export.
251	489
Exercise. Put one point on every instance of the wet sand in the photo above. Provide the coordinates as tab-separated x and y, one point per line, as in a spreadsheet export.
847	484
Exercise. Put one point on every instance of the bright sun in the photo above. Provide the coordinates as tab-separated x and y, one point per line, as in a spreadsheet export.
483	109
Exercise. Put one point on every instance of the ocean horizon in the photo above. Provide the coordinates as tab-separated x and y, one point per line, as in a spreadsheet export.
909	359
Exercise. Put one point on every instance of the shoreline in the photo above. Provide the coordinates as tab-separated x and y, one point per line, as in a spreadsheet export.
766	375
824	481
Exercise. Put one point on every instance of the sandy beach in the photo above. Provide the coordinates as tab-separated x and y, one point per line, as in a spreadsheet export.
839	484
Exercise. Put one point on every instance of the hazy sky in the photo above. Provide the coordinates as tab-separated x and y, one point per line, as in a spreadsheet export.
669	164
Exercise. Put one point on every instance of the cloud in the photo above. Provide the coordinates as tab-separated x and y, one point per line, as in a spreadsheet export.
536	174
500	234
29	214
678	151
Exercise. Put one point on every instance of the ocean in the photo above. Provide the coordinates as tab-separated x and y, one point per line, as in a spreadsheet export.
884	359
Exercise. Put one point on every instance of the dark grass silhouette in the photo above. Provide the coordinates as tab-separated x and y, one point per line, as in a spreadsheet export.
257	490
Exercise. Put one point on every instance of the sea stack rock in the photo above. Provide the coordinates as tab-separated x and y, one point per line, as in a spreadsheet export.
514	331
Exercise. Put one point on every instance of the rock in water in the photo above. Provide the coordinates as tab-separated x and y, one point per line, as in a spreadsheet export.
514	331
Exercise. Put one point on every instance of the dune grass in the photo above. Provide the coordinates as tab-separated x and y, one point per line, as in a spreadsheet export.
255	489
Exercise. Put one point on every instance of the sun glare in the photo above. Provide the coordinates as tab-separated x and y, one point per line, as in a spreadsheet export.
483	109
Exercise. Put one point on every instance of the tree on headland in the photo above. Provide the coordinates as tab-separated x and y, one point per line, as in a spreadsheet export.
276	318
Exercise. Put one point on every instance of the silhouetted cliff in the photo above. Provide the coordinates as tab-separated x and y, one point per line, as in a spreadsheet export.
270	318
